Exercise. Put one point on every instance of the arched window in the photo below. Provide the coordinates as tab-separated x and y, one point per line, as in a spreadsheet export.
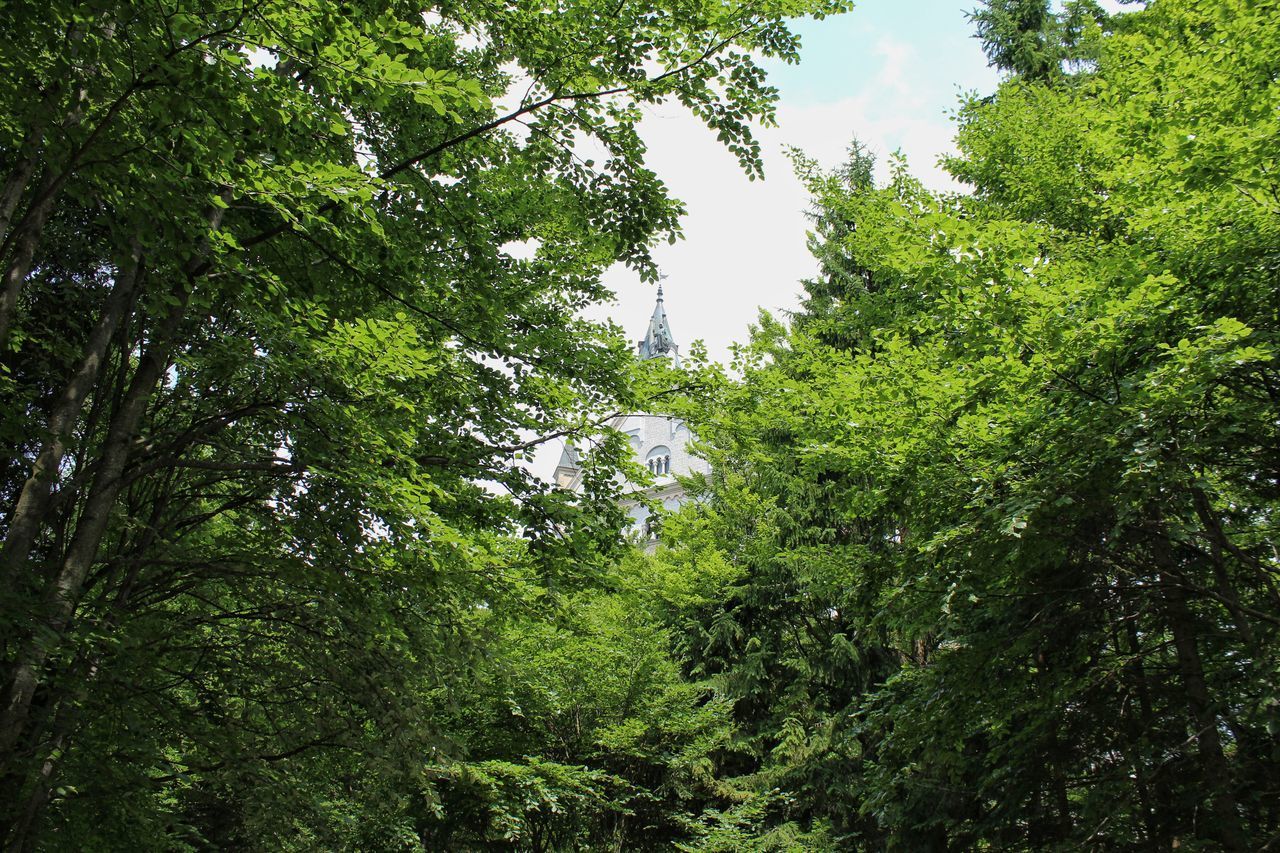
659	460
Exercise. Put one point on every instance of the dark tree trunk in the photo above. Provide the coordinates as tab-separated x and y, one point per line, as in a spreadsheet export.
1213	763
28	513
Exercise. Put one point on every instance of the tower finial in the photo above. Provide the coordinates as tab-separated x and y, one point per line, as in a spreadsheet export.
657	340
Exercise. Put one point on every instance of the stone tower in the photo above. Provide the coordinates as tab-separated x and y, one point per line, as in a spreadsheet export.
660	443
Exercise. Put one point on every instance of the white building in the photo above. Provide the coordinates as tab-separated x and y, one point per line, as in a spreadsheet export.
660	442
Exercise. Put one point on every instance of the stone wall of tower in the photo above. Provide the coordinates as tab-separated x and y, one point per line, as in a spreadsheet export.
654	436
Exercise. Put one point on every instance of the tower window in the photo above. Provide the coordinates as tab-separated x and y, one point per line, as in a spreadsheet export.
658	461
659	465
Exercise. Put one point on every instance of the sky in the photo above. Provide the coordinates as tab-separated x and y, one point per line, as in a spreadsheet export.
890	72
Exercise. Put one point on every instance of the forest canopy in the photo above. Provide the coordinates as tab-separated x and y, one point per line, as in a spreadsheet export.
1001	497
986	558
288	289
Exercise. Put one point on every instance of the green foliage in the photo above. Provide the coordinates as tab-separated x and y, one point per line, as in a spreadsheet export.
1037	44
999	504
987	560
583	734
289	288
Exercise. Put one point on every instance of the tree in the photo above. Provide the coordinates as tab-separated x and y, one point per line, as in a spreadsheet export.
582	733
1013	467
1027	38
285	285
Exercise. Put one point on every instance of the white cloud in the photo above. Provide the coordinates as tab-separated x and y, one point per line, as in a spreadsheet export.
898	58
745	241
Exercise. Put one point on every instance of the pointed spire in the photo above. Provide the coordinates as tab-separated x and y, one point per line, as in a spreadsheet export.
658	340
569	467
568	457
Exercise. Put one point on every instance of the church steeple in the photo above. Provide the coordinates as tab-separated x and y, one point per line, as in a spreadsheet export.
657	340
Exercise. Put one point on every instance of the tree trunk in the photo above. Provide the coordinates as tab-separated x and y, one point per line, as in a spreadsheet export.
1219	542
19	837
29	510
1213	763
26	239
31	226
1134	726
61	598
16	184
64	592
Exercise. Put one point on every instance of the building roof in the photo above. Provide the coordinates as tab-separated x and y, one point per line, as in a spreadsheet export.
658	340
569	458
